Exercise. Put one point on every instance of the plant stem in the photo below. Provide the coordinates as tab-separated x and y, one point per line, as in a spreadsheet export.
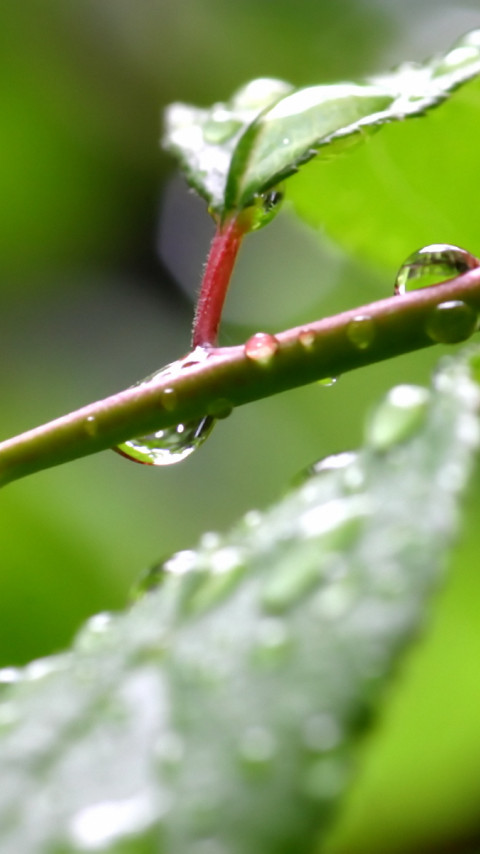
218	272
228	377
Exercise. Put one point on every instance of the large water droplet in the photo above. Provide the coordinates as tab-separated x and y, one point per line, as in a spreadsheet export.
435	263
361	331
451	322
261	348
171	444
398	416
327	382
168	446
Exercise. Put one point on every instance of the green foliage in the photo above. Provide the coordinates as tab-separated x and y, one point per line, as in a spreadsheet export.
238	150
224	707
408	187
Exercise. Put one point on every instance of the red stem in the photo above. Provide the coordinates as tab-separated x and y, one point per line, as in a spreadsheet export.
218	272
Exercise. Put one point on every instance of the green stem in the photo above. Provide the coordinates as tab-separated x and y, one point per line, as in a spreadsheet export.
228	377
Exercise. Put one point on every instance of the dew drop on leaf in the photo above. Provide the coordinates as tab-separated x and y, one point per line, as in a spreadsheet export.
398	416
327	382
451	322
431	265
361	331
261	348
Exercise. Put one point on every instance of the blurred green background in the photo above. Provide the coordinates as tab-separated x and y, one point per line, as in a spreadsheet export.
101	250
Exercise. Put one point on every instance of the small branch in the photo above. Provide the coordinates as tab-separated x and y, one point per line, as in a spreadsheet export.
228	377
218	271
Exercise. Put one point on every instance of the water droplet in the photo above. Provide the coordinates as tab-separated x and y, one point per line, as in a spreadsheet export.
182	562
168	446
459	57
336	521
102	824
227	567
451	322
91	426
334	462
210	540
433	264
261	348
290	583
361	331
169	399
306	338
43	667
172	444
9	675
327	464
257	749
253	518
218	130
327	382
464	53
264	208
399	416
99	623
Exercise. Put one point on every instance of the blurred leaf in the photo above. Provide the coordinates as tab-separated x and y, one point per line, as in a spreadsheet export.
238	150
223	708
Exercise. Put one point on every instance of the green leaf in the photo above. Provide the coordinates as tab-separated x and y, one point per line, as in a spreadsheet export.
237	151
221	712
205	139
409	186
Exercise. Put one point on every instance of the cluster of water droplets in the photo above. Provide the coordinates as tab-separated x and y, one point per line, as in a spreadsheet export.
172	444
